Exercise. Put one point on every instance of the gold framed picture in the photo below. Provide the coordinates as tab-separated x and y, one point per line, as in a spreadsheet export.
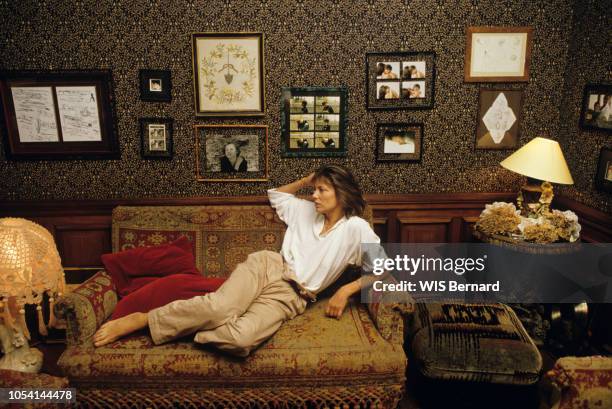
231	153
228	74
498	54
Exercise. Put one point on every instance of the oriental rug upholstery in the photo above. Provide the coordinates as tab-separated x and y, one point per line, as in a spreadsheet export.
312	361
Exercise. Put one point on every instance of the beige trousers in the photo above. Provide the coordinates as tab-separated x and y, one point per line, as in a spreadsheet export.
246	310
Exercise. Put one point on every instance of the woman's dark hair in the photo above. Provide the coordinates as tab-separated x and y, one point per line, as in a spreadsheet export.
382	91
347	190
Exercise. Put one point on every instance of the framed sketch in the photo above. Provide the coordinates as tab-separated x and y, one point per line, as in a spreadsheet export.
498	54
603	177
228	74
313	121
499	115
58	115
156	138
155	85
231	153
400	80
596	111
399	142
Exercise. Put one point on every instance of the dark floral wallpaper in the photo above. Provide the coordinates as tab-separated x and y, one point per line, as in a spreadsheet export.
309	43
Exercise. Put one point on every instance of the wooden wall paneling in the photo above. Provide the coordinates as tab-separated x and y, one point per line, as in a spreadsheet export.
467	226
425	229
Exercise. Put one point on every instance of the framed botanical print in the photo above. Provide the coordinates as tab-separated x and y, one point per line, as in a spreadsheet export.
400	80
228	74
155	85
498	54
231	153
603	177
399	142
313	121
499	115
156	138
59	114
596	111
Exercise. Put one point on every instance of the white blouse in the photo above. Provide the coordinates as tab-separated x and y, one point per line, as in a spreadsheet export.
318	260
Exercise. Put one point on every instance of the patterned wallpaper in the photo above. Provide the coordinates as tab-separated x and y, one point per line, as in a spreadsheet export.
308	43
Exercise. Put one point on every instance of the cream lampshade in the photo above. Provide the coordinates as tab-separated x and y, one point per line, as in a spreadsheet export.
29	266
542	161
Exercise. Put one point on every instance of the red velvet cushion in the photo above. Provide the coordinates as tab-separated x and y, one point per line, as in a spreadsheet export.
165	290
131	269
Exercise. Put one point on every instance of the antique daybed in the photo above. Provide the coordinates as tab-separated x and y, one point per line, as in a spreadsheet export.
312	361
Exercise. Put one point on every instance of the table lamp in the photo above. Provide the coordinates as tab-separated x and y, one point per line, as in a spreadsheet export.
29	266
542	161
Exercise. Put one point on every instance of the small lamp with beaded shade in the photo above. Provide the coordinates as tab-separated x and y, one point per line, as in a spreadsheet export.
29	267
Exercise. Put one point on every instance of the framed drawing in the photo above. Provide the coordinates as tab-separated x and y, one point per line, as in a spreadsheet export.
313	121
401	80
498	54
399	142
58	115
156	138
228	74
499	114
231	153
603	177
596	111
155	85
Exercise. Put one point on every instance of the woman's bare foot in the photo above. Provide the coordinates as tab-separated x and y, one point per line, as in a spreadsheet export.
115	329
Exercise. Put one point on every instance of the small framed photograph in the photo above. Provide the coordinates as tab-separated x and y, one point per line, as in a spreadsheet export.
499	114
313	121
58	115
231	153
498	54
401	80
596	111
155	85
156	138
603	178
399	142
228	74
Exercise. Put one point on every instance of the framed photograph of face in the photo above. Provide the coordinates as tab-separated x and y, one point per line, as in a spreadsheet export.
228	74
313	121
231	153
603	178
596	111
155	85
498	54
156	138
399	142
401	80
499	115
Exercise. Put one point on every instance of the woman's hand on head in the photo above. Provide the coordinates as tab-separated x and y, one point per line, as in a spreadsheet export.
337	303
308	181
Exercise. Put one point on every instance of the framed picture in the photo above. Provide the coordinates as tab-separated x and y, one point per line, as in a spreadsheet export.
401	80
156	138
231	153
498	54
313	121
603	178
155	85
399	142
499	115
597	107
228	74
59	115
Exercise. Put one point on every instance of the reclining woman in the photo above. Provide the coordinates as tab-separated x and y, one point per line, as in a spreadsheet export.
323	237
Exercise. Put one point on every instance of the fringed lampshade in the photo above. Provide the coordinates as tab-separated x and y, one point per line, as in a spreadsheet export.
29	267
